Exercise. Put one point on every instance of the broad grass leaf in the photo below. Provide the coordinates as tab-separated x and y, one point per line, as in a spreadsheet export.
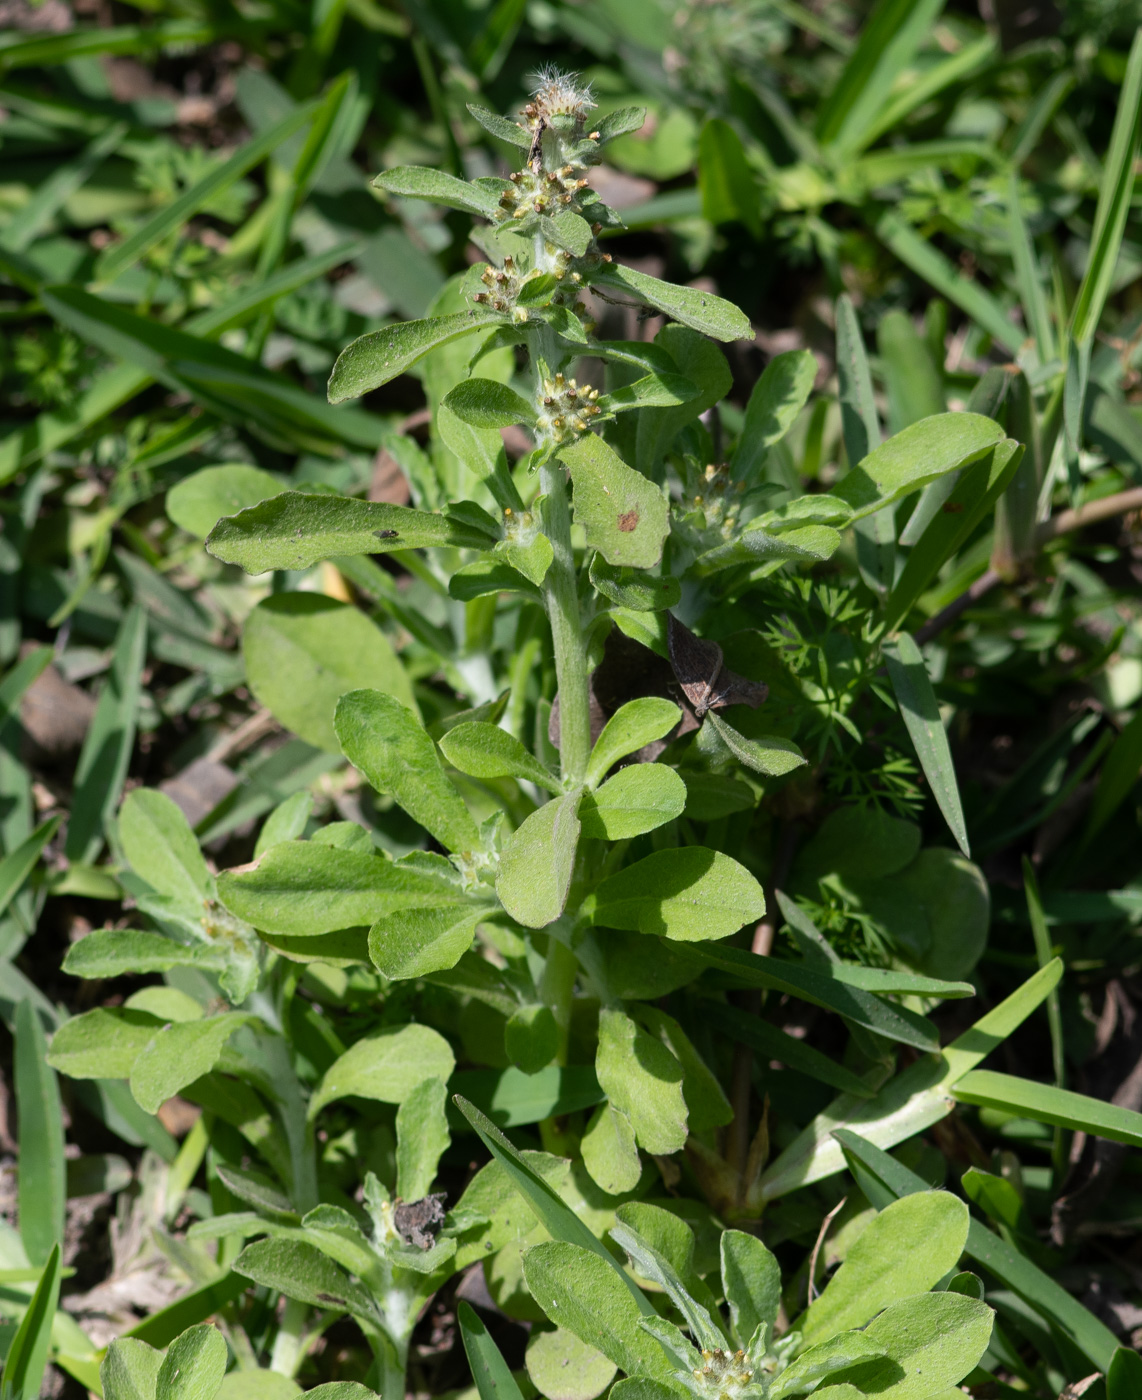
688	894
537	860
386	1065
1024	1098
41	1177
493	1377
385	740
643	1080
28	1351
906	1249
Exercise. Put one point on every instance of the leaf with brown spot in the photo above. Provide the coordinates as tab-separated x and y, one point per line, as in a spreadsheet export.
626	517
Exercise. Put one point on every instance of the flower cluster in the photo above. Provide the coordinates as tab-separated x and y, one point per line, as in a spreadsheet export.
565	409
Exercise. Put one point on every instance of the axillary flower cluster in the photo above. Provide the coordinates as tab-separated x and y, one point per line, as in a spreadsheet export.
549	215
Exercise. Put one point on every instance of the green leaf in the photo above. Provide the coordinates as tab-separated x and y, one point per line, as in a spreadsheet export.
630	728
268	1385
106	753
384	740
488	404
489	575
936	1338
727	181
501	127
414	942
653	1266
920	453
775	1044
643	1081
286	822
120	256
199	501
295	530
637	799
890	37
883	1178
562	1367
687	894
1124	1375
130	1370
422	1138
304	651
706	1103
552	1212
161	847
302	1271
770	755
386	1065
421	182
609	1151
487	751
620	122
531	1037
884	1264
1116	188
42	1185
303	888
28	1353
101	1044
776	400
494	1381
921	714
1047	1104
974	495
585	1295
758	543
193	1366
513	1099
179	1054
751	1279
915	1099
631	588
701	311
537	861
17	865
828	1359
652	391
626	517
374	359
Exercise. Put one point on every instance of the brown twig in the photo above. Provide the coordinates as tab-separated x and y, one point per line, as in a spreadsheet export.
821	1233
1121	503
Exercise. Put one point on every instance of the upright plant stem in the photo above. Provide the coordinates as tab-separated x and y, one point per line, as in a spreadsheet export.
561	593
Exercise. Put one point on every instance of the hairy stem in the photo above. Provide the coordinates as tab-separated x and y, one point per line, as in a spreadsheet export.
288	1350
561	593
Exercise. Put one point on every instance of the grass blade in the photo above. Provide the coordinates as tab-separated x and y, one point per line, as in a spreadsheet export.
921	714
122	255
19	864
42	1178
28	1354
20	677
494	1381
884	1179
1045	953
1027	278
553	1213
106	751
775	1044
32	218
1047	1104
928	262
